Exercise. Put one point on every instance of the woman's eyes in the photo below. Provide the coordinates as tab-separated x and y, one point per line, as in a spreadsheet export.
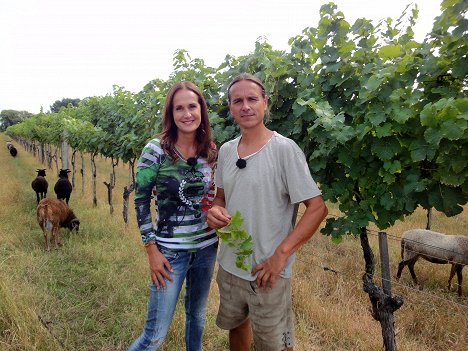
191	107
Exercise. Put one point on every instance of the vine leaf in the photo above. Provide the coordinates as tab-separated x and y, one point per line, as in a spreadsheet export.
239	239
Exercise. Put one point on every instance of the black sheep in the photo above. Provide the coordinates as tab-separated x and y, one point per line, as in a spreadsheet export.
63	187
40	185
12	149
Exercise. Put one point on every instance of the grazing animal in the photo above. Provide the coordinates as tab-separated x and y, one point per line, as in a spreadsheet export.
436	248
40	185
12	149
63	187
53	214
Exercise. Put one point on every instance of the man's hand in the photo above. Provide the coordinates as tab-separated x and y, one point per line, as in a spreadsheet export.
218	217
269	270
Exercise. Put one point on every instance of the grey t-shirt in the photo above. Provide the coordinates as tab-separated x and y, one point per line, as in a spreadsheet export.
264	192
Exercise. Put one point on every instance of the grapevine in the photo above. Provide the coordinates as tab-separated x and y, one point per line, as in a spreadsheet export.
237	237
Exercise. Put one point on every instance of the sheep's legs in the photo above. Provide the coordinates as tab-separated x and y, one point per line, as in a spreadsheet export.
47	247
411	269
458	269
401	265
410	263
55	233
460	278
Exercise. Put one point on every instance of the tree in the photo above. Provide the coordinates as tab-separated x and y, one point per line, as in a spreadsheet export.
12	117
58	104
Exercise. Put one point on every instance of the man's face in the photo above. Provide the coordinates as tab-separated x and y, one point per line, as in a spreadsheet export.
247	105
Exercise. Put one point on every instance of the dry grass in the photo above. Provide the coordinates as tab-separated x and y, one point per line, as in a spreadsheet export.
91	294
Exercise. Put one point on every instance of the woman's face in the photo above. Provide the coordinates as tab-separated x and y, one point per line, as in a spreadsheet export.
186	111
247	105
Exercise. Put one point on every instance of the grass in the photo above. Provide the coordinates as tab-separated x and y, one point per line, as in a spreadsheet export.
91	294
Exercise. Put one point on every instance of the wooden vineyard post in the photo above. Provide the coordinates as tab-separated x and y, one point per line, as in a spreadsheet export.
383	304
387	319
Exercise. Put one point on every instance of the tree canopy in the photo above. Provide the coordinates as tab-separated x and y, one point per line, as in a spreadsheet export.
12	117
58	104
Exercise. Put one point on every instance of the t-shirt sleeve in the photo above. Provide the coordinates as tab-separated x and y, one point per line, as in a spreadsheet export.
219	168
299	182
146	174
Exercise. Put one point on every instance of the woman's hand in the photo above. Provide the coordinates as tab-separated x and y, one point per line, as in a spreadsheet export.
218	217
160	268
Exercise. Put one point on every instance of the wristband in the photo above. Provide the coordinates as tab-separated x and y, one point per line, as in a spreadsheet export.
149	243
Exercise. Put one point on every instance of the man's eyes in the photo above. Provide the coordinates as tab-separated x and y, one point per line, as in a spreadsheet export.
251	98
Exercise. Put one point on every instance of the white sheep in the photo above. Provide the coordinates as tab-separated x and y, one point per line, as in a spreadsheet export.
436	248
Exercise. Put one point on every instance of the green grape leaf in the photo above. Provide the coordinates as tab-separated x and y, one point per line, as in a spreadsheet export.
237	238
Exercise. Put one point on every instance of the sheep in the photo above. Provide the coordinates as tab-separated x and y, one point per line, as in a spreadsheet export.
40	185
53	214
63	187
436	248
12	149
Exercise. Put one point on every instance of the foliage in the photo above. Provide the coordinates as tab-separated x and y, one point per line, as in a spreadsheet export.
237	237
12	117
365	114
381	117
66	102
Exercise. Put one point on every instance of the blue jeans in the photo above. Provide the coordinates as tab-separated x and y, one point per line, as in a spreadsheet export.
196	268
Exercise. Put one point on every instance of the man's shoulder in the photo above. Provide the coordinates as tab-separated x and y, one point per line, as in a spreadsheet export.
284	142
230	144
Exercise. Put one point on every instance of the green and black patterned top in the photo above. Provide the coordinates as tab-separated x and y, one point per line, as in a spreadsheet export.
184	193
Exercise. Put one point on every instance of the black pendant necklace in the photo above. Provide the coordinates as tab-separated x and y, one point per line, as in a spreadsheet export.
241	163
192	161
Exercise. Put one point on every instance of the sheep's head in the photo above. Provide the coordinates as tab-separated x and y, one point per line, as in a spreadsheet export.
41	172
75	224
64	173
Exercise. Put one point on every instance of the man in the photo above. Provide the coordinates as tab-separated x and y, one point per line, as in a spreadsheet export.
263	175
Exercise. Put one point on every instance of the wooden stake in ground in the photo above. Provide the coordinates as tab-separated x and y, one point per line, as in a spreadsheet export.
383	304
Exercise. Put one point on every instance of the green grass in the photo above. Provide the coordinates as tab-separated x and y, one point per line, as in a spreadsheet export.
91	293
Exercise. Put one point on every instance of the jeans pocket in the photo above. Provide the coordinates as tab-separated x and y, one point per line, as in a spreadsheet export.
170	255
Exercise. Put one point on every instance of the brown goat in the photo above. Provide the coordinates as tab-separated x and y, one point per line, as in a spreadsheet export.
53	214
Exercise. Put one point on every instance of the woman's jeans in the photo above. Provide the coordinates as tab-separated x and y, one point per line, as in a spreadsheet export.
196	268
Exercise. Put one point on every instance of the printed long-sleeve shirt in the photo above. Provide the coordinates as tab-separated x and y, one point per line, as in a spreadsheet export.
184	193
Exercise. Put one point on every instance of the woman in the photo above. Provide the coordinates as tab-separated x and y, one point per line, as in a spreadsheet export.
180	247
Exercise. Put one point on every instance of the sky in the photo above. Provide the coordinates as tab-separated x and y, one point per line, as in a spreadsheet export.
55	49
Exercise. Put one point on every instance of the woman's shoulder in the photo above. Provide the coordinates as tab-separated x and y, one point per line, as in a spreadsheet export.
154	146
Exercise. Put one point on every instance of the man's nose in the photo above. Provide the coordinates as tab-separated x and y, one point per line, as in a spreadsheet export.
245	105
